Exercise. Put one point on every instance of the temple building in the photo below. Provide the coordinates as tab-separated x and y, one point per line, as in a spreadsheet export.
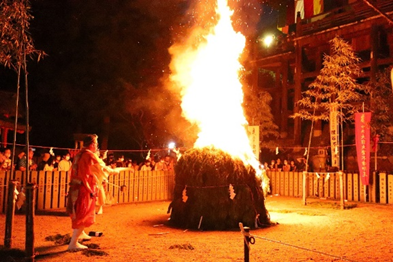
7	117
295	58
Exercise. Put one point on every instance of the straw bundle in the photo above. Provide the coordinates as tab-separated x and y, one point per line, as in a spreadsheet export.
215	191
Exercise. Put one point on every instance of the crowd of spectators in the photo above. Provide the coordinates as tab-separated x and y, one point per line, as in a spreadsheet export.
298	165
165	163
49	161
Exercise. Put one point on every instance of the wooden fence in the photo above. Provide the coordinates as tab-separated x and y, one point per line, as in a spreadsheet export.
142	186
126	187
327	185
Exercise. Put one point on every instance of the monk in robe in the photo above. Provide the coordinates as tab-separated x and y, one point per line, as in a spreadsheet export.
82	193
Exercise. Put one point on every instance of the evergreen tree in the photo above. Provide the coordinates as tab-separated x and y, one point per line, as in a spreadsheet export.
16	46
258	112
335	86
381	105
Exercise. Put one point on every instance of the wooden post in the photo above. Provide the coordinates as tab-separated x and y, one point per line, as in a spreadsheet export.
9	220
372	188
248	239
298	91
30	210
340	173
304	187
365	193
284	99
382	188
246	244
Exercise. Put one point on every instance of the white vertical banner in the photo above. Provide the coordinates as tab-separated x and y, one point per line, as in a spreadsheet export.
334	136
299	7
253	137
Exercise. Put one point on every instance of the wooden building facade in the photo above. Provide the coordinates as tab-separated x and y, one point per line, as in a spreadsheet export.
296	59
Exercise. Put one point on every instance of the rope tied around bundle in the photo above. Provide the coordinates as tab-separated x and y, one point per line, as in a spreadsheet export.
210	184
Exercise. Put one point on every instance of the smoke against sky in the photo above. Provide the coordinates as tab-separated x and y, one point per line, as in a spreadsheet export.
106	57
195	21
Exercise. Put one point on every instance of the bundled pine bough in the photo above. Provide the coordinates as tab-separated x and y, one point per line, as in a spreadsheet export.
213	191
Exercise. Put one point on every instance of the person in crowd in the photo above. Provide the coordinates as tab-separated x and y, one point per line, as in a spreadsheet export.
50	165
109	159
82	193
46	163
152	163
129	163
160	165
286	167
278	164
56	162
120	162
266	166
272	166
21	163
65	164
293	166
169	163
146	166
135	166
5	162
301	164
113	164
20	159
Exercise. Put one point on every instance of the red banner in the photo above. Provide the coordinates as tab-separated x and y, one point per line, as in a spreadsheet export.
362	136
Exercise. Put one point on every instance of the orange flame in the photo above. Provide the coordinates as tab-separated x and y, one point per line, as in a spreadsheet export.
212	95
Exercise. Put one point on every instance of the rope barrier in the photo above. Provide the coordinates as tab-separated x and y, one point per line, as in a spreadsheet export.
112	150
312	147
303	248
163	149
220	186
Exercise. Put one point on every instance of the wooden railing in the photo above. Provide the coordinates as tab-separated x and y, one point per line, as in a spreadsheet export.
327	185
343	15
126	187
143	186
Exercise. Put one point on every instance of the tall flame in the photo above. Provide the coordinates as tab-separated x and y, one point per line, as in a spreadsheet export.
212	95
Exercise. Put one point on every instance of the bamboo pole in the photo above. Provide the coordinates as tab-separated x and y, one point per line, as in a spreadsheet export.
30	210
9	221
307	159
342	204
27	112
305	188
16	119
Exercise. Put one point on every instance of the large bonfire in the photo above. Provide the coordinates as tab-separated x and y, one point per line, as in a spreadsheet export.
219	182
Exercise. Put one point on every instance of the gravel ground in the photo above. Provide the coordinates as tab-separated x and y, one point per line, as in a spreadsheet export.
319	231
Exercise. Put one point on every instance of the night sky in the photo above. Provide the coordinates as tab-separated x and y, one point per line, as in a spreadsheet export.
107	60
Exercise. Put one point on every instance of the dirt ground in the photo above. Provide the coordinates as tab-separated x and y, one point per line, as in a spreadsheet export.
319	231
